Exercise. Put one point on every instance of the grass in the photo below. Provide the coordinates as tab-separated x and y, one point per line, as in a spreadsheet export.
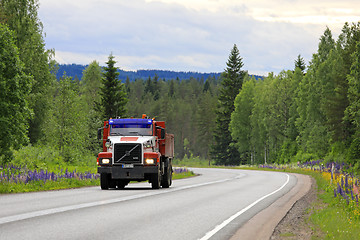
193	162
336	218
183	174
15	179
36	186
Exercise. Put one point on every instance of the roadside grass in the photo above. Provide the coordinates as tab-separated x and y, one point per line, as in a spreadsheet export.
180	173
193	162
336	217
40	185
14	179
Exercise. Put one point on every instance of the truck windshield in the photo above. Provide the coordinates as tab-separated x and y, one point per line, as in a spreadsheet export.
131	130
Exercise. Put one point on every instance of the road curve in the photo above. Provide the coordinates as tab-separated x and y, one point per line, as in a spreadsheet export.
213	205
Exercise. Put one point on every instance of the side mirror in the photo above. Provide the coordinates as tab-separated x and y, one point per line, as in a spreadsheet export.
99	133
162	133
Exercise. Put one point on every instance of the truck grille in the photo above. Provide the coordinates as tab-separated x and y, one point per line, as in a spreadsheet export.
127	153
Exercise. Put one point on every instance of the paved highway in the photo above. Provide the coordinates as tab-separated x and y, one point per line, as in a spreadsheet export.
213	205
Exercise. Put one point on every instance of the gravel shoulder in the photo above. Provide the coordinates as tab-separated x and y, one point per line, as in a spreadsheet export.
296	224
286	218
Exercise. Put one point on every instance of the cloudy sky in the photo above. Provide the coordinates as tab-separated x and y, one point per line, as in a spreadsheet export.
191	35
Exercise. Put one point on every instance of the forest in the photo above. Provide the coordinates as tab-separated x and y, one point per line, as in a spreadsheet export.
303	115
76	71
309	112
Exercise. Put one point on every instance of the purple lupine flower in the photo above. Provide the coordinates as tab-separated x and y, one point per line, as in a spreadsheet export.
346	181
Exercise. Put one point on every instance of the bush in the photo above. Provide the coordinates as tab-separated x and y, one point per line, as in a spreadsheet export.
42	157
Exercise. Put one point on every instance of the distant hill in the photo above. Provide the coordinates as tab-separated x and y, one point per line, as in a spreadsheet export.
76	70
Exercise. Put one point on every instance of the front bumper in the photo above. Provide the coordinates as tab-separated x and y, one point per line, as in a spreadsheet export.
138	172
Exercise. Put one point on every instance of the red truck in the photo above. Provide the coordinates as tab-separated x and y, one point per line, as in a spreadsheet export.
135	149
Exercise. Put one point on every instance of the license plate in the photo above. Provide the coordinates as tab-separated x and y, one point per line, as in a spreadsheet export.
128	165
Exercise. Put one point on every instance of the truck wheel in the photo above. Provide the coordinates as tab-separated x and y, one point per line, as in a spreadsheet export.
156	180
112	183
104	181
167	178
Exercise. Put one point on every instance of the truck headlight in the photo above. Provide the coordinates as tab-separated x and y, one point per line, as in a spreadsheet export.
107	144
149	161
105	161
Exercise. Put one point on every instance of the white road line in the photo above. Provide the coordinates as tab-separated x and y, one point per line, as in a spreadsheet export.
24	216
227	221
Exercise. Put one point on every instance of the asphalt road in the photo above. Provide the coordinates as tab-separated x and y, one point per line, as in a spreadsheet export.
213	205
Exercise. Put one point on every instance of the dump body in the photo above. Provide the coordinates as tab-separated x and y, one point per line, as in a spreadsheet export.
135	150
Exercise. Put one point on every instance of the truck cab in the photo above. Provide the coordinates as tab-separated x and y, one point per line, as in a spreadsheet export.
135	149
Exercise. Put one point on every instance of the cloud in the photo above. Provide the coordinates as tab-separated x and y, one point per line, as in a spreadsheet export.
194	35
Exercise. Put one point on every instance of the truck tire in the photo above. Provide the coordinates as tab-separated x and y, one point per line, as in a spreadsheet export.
167	177
112	183
156	180
104	181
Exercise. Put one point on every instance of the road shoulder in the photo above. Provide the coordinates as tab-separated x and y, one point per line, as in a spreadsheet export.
262	225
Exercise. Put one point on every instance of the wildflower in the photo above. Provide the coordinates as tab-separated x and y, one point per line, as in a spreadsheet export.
346	181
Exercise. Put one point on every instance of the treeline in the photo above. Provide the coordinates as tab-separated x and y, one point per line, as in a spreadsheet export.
76	71
300	115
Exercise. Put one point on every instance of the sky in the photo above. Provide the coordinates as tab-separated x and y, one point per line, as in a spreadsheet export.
191	35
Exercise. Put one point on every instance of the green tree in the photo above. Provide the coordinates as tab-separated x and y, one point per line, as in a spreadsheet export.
21	17
15	85
90	88
259	118
66	124
300	63
224	151
312	100
205	119
240	125
171	91
91	84
113	97
352	113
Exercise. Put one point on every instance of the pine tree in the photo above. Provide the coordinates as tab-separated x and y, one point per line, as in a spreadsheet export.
300	63
224	151
113	96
